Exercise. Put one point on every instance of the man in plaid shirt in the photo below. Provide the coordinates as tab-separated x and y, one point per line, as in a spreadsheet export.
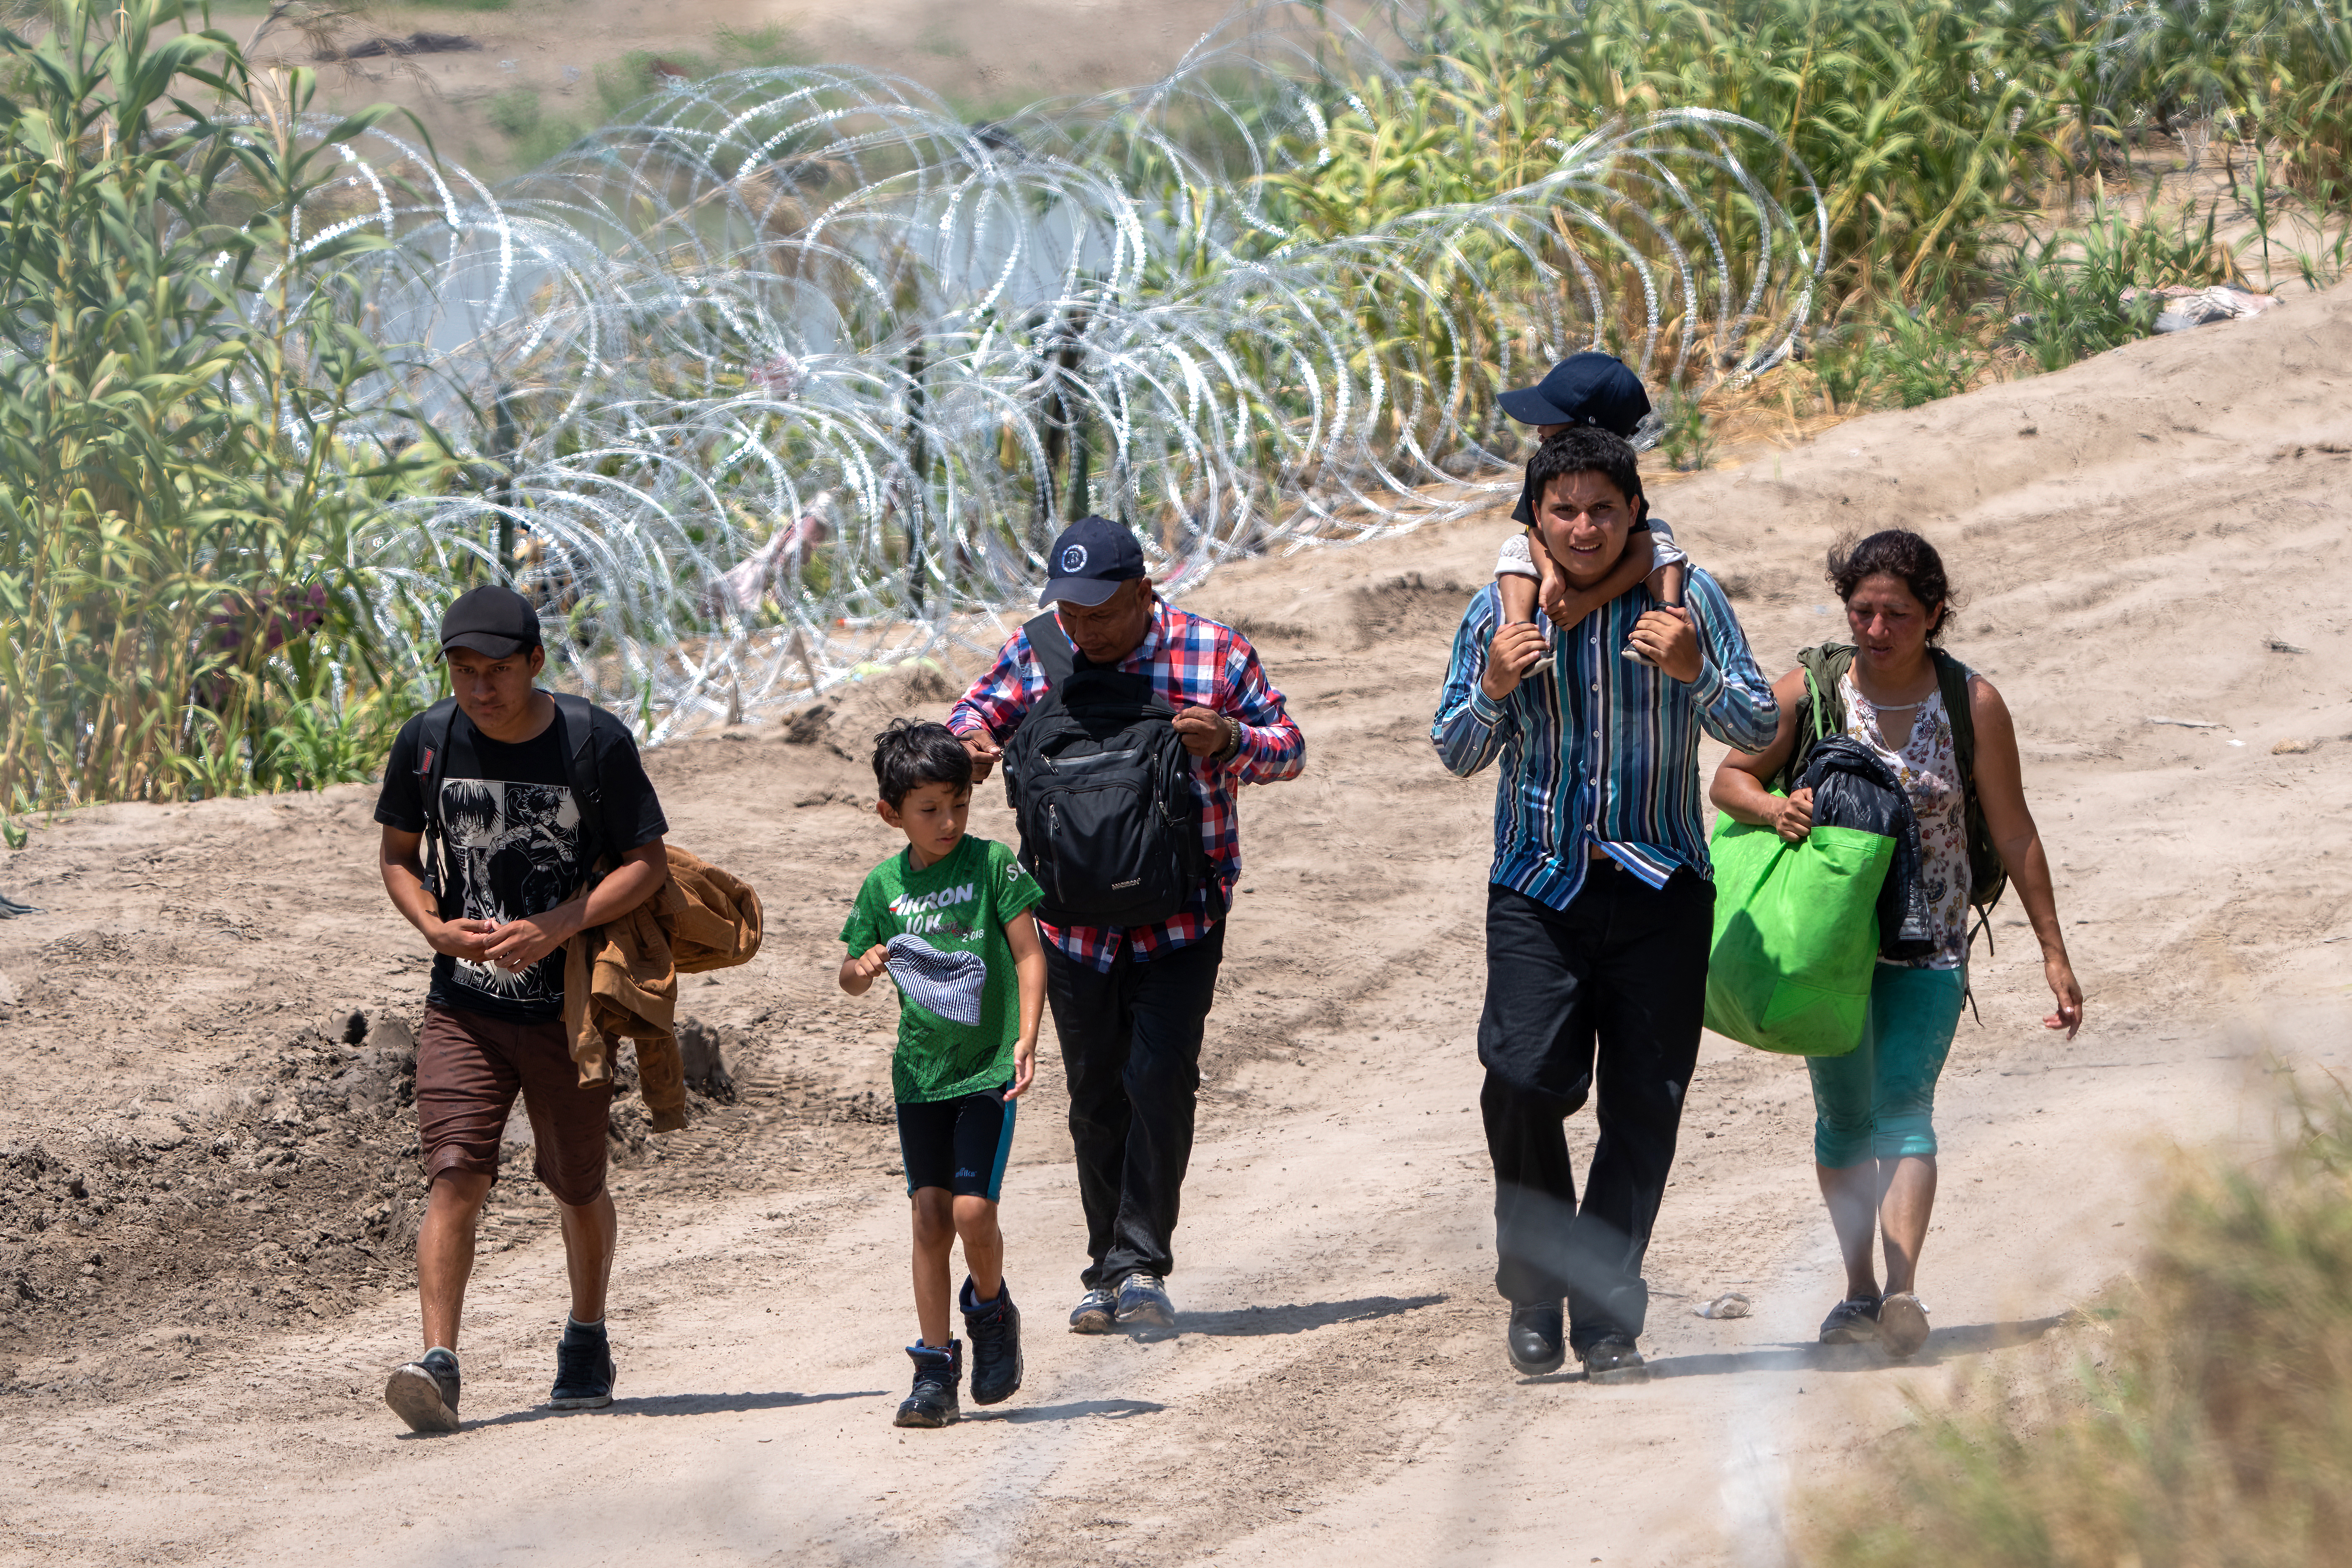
1130	1005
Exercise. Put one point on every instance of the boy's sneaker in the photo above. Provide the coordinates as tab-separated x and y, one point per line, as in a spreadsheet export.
1095	1313
584	1369
1852	1322
423	1393
1144	1306
995	1331
1612	1358
938	1374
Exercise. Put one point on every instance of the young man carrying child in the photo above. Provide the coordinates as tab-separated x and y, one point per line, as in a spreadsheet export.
949	919
1600	901
1594	389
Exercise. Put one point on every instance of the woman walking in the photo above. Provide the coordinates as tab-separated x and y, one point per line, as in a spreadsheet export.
1873	1135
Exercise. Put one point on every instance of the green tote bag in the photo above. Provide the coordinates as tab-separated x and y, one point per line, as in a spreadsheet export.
1796	936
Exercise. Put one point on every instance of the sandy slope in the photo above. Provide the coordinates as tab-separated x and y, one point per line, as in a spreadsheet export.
982	58
2134	535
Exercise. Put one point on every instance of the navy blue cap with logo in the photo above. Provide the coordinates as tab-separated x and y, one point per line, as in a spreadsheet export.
1089	562
1589	388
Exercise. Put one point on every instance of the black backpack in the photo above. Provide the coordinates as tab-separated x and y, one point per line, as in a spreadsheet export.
577	715
1824	666
1102	788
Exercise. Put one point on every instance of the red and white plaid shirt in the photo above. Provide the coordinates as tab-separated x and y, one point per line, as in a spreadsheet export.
1194	663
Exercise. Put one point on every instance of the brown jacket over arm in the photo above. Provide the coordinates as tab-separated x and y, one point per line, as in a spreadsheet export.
621	979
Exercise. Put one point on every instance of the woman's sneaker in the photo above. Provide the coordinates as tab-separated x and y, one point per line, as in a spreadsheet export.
584	1369
1852	1322
423	1393
1902	1324
994	1329
938	1373
1096	1313
1144	1307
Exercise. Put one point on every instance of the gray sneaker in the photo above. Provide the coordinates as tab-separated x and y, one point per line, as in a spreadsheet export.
1144	1307
1902	1324
423	1393
1093	1312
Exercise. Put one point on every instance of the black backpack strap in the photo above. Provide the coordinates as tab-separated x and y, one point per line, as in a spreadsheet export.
432	767
1051	644
578	717
1060	660
1988	878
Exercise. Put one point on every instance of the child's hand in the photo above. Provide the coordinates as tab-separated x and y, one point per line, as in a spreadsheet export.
1555	597
1025	1069
859	972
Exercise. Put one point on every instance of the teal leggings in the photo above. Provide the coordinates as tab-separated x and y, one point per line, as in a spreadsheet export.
1878	1100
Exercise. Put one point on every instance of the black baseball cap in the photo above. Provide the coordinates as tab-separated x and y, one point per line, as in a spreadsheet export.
1090	560
1582	389
491	619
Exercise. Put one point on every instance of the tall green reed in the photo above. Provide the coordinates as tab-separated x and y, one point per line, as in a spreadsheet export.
182	366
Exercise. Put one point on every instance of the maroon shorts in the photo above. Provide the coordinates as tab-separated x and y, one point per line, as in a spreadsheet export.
470	1067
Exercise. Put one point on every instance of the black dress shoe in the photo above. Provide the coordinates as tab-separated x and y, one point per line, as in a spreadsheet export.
1537	1339
1614	1359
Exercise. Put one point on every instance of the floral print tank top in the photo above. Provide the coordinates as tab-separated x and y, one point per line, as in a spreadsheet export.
1930	769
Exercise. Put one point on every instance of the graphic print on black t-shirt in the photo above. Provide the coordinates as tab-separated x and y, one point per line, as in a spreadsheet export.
513	850
512	842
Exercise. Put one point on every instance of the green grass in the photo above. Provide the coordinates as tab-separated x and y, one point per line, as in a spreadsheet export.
1937	133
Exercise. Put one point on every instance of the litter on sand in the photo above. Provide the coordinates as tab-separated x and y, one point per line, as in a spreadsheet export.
1730	1304
2188	723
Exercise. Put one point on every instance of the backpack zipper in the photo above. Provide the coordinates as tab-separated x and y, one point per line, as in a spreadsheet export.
1052	848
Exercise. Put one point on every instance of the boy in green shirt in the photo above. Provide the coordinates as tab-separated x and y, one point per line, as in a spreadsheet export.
949	919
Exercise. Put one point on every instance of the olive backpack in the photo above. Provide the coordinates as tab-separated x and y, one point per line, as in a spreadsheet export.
1821	713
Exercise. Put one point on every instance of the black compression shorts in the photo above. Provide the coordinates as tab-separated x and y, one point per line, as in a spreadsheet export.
960	1144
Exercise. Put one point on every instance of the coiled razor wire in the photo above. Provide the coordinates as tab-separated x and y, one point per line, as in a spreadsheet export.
797	376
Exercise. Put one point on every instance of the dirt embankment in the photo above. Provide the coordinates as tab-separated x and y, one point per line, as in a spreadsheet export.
2158	534
982	60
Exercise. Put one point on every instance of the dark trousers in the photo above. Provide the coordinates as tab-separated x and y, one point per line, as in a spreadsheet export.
1609	992
1131	1052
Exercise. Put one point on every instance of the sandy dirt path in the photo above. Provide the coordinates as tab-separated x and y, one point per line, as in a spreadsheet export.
2134	537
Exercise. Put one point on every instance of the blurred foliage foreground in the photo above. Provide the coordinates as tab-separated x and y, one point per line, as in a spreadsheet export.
2218	1432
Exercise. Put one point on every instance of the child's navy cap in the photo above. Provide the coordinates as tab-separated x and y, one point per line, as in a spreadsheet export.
1582	389
1093	556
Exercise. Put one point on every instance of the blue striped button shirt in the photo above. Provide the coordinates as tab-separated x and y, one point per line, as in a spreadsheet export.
1601	750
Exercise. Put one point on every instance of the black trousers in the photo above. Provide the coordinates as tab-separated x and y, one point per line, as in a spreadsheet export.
1131	1052
1608	993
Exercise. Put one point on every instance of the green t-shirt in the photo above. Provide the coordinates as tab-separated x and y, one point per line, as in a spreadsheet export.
959	904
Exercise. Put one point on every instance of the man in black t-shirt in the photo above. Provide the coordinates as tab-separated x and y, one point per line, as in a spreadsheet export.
514	847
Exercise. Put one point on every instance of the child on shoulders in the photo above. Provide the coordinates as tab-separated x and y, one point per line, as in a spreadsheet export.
1582	389
948	919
